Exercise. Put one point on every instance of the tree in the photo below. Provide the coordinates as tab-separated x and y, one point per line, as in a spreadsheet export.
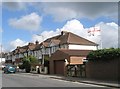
27	63
32	59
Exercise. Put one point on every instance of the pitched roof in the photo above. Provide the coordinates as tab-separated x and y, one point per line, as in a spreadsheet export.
75	39
30	46
37	47
70	38
63	38
55	41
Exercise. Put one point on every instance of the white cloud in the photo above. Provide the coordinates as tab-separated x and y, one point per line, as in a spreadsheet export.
28	22
64	11
17	42
15	6
44	35
60	13
36	37
109	33
74	26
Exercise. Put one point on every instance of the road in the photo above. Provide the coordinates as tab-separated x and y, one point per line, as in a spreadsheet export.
27	80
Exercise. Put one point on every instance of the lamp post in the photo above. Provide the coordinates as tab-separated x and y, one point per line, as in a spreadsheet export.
1	53
43	53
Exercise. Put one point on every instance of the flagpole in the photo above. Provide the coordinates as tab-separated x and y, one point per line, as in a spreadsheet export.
93	32
100	38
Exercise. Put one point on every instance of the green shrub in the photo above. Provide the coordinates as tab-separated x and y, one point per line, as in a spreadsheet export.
104	54
27	62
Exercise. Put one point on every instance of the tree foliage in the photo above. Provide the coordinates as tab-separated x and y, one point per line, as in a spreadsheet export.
27	62
104	54
32	59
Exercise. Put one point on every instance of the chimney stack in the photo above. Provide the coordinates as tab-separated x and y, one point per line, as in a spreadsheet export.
63	32
37	42
18	47
30	44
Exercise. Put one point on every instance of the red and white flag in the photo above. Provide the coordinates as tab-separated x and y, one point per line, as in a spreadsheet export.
94	31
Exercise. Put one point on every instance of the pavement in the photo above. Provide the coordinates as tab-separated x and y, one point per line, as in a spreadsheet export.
111	84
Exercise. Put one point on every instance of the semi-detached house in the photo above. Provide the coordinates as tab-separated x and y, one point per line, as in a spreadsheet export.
65	41
46	49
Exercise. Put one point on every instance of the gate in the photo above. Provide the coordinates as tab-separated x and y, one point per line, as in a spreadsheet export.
76	70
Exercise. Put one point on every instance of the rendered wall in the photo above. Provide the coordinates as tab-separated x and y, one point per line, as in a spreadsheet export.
82	47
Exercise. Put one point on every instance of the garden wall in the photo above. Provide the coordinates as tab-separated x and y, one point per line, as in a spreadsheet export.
103	70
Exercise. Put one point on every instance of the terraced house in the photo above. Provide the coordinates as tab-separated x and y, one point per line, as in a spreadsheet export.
18	54
71	50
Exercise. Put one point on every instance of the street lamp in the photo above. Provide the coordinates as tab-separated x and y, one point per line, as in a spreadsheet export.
43	53
1	54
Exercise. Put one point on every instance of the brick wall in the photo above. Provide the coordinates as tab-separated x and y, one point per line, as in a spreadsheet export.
103	70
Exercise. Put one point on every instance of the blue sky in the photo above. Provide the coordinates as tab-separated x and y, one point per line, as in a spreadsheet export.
22	21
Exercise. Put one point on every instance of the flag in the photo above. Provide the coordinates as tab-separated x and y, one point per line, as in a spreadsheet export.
94	31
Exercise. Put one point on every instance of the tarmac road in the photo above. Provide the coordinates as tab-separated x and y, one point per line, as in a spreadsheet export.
27	80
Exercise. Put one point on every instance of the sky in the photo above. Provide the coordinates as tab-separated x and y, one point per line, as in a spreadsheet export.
24	22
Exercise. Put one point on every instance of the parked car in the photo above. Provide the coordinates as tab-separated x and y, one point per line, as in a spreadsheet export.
9	69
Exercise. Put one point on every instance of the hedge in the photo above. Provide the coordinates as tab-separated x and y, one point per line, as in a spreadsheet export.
104	54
